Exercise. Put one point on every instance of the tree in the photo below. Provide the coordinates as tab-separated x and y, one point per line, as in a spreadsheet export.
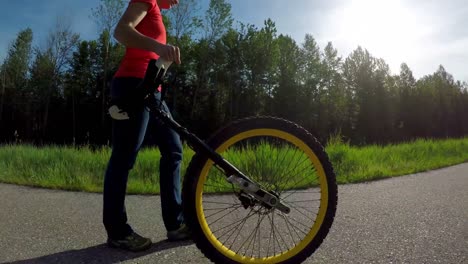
446	92
183	20
310	80
332	83
14	72
358	71
286	94
53	61
80	88
42	88
106	16
218	20
383	103
406	85
261	56
231	73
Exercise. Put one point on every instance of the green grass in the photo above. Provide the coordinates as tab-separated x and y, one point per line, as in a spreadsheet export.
82	169
78	169
357	164
278	168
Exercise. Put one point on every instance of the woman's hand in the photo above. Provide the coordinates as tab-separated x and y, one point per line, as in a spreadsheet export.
168	52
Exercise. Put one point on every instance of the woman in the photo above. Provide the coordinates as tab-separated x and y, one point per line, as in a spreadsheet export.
142	31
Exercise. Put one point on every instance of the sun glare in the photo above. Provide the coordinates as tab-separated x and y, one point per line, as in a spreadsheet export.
387	28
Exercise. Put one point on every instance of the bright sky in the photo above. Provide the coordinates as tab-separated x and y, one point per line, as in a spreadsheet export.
422	33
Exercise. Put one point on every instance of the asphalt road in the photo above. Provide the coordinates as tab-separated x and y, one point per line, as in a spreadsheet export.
420	218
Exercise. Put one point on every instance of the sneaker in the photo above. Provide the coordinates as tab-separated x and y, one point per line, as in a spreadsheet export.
182	233
133	242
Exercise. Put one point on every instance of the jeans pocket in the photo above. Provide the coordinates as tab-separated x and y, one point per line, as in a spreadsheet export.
123	93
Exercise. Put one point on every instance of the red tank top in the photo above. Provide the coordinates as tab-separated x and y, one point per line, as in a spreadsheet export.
135	61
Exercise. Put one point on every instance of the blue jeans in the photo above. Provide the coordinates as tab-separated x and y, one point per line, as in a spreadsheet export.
127	138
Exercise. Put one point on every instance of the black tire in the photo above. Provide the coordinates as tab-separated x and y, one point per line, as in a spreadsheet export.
194	170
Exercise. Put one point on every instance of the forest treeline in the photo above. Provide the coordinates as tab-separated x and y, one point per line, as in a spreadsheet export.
59	93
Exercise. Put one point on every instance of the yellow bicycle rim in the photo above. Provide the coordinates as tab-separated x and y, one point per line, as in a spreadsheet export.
320	216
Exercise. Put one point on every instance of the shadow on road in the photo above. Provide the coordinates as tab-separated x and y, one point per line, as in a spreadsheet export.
101	254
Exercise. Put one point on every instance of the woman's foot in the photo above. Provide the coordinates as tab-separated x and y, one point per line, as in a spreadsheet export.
132	242
182	233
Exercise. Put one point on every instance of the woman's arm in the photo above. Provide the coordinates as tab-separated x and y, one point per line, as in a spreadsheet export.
126	34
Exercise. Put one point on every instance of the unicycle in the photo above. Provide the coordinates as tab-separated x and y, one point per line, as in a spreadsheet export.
259	190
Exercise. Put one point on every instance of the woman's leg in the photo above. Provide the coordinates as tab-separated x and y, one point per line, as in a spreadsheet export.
170	147
127	137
